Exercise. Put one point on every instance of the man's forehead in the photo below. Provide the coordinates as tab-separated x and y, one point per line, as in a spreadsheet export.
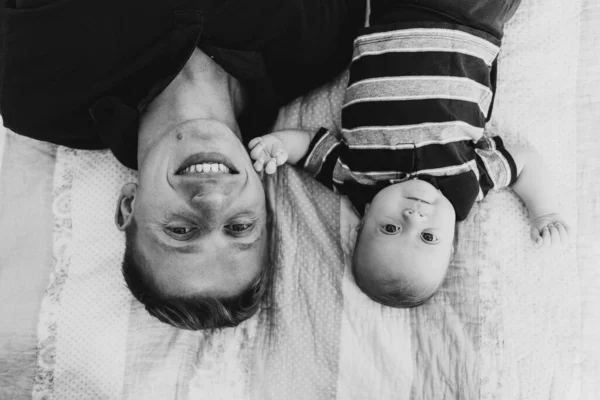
221	272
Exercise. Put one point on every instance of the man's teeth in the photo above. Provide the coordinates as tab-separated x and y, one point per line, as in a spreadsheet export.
205	167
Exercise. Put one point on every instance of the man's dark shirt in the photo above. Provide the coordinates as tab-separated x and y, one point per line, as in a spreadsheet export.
80	72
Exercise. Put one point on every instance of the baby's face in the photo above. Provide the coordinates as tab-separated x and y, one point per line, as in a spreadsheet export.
406	238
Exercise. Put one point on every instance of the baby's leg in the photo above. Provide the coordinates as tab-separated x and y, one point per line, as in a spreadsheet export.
486	15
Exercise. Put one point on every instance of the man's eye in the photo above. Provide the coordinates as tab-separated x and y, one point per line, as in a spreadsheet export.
180	230
391	228
238	228
429	237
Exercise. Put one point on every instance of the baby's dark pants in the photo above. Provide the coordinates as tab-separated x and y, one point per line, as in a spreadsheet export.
486	15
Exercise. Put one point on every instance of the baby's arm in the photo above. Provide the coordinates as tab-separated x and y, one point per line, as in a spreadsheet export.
537	190
274	149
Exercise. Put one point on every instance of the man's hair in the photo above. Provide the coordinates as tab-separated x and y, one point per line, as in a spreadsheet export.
197	311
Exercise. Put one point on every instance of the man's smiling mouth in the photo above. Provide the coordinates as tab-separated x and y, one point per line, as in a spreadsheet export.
207	163
205	168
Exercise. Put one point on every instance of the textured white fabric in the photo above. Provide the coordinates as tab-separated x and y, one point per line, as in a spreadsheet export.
539	291
588	196
94	303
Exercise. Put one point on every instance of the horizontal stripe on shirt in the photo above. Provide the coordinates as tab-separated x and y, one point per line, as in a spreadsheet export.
420	64
418	88
343	173
411	112
425	39
409	159
410	136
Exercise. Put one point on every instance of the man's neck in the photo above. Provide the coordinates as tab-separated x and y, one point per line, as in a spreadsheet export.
201	90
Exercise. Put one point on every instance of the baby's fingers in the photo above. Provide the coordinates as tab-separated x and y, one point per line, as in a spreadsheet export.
554	235
563	232
257	151
259	164
271	166
254	142
544	240
281	157
536	236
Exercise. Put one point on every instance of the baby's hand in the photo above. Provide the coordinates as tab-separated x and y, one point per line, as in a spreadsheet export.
269	150
550	230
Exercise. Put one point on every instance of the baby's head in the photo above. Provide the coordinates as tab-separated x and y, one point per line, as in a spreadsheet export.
404	244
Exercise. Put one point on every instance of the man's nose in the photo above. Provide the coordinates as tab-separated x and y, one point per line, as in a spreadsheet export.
210	202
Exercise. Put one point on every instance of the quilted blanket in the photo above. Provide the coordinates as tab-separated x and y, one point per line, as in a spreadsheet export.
510	321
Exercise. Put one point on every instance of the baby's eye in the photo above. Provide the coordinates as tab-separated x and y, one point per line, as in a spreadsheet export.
391	228
429	237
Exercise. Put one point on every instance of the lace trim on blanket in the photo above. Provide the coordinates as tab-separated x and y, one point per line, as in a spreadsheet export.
490	314
43	386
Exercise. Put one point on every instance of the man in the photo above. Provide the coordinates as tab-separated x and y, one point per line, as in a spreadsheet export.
175	89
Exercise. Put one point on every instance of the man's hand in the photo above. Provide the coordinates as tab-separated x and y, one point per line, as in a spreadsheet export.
550	230
268	152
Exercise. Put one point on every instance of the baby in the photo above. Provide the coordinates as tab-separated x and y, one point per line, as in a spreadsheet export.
412	155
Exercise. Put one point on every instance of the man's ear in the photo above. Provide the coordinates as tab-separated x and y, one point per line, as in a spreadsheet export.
125	205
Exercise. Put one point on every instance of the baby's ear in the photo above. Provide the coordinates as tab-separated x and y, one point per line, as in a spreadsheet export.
125	205
452	251
357	228
367	208
362	219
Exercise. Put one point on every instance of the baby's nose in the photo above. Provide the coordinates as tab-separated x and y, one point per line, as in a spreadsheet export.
414	214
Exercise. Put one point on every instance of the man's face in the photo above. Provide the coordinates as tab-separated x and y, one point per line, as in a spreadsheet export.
200	211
